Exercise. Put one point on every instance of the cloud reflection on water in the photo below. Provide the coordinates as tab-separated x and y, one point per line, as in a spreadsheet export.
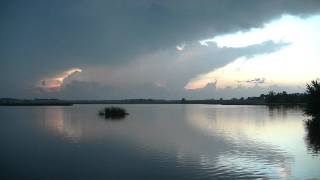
253	141
57	120
252	136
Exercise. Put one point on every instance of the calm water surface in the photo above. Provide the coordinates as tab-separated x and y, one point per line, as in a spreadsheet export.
156	142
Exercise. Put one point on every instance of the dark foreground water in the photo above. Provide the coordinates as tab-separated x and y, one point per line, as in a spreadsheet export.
156	142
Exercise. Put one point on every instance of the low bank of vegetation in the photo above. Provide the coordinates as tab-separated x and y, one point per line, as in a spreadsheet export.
113	113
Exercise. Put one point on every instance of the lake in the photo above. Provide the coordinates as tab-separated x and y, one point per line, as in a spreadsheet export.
156	142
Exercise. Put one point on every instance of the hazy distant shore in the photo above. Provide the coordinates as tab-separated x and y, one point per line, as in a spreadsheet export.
34	102
58	102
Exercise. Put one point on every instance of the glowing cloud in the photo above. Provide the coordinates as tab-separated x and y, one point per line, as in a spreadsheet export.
293	65
55	83
181	47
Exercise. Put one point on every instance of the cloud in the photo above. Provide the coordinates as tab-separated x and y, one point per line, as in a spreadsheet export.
54	83
97	30
284	30
180	47
171	69
292	65
39	38
157	75
77	89
254	81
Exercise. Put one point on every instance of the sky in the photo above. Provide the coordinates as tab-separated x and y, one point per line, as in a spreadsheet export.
171	49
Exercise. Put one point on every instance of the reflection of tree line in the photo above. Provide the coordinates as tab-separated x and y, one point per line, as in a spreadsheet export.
312	108
313	133
310	101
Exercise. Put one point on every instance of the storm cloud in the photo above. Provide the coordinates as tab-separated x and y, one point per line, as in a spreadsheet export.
126	44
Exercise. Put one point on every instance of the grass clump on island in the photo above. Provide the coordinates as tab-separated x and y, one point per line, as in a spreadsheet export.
113	113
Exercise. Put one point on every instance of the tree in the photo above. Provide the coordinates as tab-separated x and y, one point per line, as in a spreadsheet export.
313	98
313	108
270	97
183	100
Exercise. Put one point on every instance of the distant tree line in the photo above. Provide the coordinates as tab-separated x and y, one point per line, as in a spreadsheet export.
284	98
272	98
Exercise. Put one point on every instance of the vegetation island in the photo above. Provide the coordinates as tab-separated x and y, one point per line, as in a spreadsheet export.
113	113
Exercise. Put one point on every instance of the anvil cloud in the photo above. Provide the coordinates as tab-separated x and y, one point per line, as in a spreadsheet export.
131	49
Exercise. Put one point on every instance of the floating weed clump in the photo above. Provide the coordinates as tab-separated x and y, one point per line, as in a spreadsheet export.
113	113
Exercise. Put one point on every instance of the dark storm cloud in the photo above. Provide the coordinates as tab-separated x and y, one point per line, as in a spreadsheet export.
159	75
82	32
39	38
